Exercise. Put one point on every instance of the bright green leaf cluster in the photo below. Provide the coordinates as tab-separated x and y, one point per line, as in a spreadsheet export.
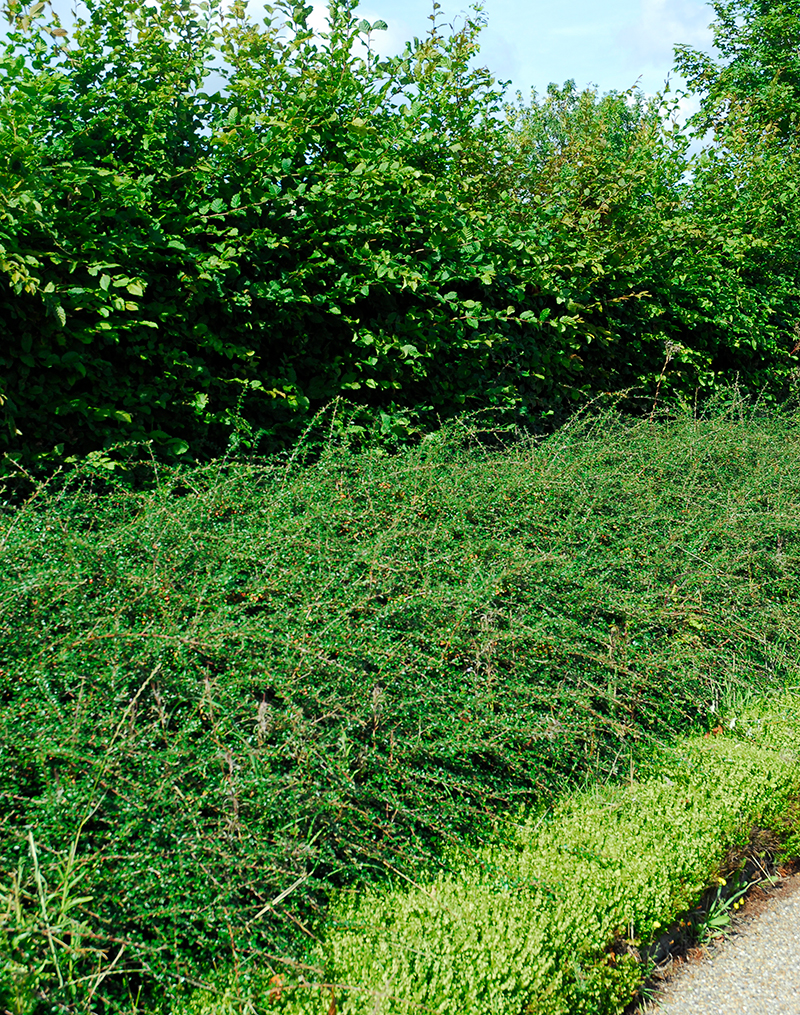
548	923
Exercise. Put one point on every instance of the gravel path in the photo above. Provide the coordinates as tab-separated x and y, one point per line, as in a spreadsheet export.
754	971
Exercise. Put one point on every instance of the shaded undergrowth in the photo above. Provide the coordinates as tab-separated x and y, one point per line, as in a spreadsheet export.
225	696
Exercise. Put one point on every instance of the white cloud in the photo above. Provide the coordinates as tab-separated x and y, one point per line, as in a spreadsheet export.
583	29
663	24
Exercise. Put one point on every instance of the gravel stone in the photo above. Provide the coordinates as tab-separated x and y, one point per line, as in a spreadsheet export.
754	971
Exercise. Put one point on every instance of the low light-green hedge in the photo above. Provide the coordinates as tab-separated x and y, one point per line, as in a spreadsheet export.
548	922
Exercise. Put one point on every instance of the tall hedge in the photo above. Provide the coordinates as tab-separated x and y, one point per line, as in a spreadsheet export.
210	225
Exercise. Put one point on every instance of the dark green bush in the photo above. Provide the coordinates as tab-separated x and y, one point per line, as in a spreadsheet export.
176	262
253	684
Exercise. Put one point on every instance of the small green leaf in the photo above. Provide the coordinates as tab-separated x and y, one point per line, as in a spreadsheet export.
359	126
105	282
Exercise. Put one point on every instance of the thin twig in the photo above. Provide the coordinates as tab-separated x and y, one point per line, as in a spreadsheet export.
279	898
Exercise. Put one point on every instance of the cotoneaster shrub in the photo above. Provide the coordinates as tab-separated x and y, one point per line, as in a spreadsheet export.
232	694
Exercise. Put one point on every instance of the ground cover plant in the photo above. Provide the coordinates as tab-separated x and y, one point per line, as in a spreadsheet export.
203	217
239	690
552	920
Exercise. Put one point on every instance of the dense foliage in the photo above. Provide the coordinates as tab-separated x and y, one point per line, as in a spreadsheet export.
234	689
224	697
210	225
559	918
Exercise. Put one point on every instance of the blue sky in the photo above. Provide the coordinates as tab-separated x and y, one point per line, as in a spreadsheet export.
610	44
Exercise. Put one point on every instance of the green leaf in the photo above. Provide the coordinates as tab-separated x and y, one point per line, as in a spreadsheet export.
105	282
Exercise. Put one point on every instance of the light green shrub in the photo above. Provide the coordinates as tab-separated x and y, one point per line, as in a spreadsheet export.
529	925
